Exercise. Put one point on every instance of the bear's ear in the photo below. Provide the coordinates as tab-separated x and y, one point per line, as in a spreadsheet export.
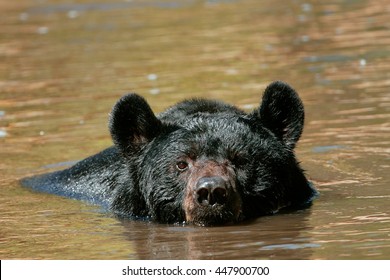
282	112
132	123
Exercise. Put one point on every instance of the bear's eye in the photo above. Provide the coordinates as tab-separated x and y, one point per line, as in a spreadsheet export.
181	165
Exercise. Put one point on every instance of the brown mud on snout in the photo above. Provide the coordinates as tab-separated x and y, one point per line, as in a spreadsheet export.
211	197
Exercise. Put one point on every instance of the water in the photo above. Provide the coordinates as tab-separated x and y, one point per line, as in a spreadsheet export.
63	65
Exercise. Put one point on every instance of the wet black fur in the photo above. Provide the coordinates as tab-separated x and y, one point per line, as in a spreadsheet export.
136	177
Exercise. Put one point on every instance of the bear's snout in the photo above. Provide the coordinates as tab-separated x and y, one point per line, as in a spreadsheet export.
211	191
211	195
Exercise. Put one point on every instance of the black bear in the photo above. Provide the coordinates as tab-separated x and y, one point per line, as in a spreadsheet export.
201	161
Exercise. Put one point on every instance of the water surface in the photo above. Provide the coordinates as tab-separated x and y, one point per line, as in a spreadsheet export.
64	64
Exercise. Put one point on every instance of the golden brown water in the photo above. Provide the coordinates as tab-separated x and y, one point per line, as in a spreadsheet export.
64	64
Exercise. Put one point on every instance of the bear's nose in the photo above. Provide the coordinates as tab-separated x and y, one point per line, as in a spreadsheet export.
211	190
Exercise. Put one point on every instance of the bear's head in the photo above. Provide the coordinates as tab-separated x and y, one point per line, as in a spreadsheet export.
209	163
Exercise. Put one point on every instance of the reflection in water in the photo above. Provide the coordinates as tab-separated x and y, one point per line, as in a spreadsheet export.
277	237
64	65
